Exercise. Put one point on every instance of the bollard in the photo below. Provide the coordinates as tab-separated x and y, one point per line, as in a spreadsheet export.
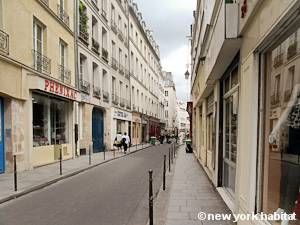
169	160
136	146
164	175
150	198
60	161
104	153
114	153
90	154
15	173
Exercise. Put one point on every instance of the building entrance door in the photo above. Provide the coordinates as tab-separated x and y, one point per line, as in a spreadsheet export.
2	156
97	130
230	130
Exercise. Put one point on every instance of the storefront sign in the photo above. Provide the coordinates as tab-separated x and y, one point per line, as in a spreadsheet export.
122	115
59	89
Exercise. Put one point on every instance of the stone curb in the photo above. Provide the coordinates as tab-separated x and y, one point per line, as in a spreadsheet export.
63	177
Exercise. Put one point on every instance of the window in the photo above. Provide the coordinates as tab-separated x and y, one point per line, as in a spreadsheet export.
113	49
62	53
166	114
38	47
131	30
104	80
96	78
49	121
281	178
82	67
113	86
104	38
113	14
166	93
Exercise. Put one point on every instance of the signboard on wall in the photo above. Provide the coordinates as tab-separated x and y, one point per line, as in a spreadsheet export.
122	115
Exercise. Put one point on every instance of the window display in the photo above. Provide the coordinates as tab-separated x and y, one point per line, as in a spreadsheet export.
50	124
282	132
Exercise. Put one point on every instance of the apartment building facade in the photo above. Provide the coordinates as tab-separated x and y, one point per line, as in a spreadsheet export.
37	83
245	92
171	103
145	72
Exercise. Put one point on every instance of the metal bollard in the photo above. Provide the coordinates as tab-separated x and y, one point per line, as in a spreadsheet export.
150	198
104	153
164	175
174	151
15	173
169	160
90	155
60	161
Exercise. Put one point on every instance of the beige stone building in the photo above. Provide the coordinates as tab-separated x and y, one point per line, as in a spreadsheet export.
245	88
37	82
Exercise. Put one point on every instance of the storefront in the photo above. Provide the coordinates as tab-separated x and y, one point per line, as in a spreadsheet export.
120	123
154	127
136	129
281	135
145	130
52	121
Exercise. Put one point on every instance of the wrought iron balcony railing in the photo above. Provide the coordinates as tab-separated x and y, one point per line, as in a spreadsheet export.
97	92
128	104
287	95
95	4
63	16
4	42
95	46
278	60
114	27
121	69
114	63
105	55
83	34
127	75
105	95
292	50
122	102
65	74
275	100
121	35
41	63
115	99
84	86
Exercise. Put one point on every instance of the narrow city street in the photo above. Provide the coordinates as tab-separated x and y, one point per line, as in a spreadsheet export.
113	193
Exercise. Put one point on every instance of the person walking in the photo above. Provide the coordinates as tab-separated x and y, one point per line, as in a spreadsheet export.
125	142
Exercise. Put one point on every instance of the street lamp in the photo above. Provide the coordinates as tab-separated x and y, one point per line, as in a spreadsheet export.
187	74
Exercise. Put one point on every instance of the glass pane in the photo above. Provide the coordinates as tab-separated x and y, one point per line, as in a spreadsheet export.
283	132
227	127
0	120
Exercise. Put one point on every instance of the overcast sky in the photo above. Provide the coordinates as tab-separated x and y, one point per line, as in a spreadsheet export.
170	21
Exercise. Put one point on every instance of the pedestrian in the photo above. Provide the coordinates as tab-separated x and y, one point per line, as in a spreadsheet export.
118	141
125	142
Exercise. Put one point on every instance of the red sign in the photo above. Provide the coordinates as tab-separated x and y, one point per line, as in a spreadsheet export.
59	89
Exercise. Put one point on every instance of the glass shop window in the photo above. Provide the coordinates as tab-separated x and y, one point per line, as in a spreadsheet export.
282	130
50	121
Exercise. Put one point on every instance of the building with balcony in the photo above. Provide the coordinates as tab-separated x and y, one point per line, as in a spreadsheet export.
170	103
38	95
144	70
93	74
245	89
121	110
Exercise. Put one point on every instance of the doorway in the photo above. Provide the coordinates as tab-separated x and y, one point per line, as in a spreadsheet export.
97	130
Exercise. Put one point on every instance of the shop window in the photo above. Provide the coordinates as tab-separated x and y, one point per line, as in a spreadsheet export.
50	124
282	139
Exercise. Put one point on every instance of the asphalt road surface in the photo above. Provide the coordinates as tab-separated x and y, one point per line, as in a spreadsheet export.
115	193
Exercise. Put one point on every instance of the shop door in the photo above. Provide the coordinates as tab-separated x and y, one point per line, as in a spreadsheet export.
230	129
97	130
2	161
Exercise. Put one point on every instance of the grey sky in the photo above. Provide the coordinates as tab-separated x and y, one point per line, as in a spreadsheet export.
170	21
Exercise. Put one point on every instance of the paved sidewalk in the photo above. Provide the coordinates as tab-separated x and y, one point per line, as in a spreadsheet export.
40	177
188	192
